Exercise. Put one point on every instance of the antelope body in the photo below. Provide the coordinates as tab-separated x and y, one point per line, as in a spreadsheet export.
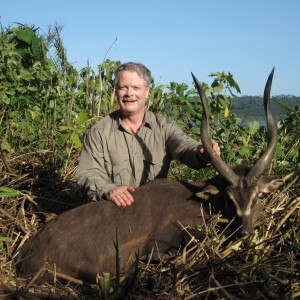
81	241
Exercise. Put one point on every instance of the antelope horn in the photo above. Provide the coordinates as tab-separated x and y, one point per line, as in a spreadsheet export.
215	160
265	160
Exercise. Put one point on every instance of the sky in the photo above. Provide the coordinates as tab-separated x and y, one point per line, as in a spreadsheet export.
174	38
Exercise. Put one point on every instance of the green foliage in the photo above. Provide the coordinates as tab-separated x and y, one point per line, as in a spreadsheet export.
45	103
28	85
183	105
4	239
219	100
177	102
8	192
28	45
250	107
288	146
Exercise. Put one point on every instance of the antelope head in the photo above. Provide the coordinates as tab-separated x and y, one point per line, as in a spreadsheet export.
243	184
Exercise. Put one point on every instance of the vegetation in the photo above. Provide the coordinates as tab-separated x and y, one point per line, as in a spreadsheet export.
250	108
46	106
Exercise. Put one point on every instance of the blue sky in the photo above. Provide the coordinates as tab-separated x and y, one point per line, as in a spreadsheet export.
173	38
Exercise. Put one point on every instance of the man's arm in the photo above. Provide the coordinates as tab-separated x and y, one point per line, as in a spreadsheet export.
93	177
91	174
187	150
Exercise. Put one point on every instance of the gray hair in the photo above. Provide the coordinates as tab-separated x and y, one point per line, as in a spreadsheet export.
142	71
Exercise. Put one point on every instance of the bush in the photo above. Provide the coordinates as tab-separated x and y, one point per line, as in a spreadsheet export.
46	106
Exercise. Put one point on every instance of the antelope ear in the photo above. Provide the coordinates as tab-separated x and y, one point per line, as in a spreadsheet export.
268	184
208	192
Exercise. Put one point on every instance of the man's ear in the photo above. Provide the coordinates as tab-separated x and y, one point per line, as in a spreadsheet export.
147	92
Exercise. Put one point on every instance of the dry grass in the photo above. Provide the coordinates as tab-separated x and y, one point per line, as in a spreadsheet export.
264	265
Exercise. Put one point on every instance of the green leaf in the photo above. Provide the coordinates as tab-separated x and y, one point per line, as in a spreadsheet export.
32	88
214	74
66	128
6	239
82	117
76	140
253	127
8	192
244	151
36	46
25	35
51	103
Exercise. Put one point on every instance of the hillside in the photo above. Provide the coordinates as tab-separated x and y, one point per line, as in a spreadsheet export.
251	107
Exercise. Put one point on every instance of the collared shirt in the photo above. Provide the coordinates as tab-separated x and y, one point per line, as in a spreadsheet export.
113	156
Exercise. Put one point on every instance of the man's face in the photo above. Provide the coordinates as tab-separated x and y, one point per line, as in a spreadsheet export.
132	93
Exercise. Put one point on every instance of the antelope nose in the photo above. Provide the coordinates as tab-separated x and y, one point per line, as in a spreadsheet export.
244	232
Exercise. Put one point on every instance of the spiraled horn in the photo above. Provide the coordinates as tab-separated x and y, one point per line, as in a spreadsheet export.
215	160
265	160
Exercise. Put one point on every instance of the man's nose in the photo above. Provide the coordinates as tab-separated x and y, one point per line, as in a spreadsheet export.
129	91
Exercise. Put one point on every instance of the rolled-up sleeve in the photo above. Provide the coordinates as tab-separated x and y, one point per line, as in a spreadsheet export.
183	148
91	173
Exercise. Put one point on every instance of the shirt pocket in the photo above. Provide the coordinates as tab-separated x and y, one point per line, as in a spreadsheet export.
120	168
154	165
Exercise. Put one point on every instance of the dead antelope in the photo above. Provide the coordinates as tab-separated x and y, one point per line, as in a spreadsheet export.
242	183
80	242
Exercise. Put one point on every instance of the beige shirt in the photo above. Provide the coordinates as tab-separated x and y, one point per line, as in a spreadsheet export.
113	156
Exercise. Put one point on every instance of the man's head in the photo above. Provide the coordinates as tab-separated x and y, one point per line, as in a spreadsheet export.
132	82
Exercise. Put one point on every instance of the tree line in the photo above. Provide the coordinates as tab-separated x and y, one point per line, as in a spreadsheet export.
251	107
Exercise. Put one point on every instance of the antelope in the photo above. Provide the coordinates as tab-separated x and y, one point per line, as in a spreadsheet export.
81	242
242	183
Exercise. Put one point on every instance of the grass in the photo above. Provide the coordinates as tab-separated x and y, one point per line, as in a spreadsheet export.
264	265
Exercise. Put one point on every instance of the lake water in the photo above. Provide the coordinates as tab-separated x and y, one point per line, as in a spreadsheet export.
261	122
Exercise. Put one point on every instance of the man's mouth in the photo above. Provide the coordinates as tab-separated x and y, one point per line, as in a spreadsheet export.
128	101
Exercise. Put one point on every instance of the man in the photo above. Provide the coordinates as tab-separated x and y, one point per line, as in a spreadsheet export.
132	146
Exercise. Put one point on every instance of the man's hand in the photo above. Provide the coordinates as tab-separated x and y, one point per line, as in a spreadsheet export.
120	195
202	153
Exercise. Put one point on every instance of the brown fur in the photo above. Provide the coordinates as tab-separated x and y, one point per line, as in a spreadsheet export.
81	241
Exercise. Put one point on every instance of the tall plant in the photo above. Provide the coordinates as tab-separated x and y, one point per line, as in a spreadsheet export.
28	84
46	103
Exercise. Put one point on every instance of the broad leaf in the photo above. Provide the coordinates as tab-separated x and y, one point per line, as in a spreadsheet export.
8	192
